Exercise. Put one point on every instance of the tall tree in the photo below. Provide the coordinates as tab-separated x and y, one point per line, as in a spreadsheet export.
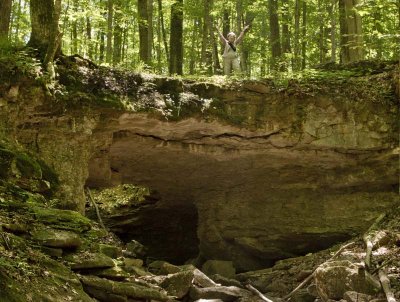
274	33
74	31
150	8
117	44
285	27
5	17
176	38
206	52
110	17
304	36
54	40
89	37
144	42
43	19
351	40
263	48
332	9
321	36
296	60
17	22
164	35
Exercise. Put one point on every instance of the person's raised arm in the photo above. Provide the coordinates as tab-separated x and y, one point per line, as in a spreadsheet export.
221	36
241	36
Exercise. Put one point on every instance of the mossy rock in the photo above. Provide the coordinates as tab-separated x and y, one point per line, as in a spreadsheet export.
27	166
83	261
130	290
57	238
62	219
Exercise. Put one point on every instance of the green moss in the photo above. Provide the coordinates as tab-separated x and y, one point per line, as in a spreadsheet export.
220	109
120	196
28	166
49	175
62	219
6	157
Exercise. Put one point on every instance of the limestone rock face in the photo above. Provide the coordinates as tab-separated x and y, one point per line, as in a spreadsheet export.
298	176
255	173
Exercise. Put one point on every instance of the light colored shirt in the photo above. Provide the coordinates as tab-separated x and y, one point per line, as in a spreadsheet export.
228	51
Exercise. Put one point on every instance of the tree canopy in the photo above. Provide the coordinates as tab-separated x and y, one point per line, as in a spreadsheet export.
178	36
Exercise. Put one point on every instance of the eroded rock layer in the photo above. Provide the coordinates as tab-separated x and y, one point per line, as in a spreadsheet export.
272	173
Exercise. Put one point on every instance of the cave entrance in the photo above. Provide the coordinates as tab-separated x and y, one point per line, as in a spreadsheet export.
136	212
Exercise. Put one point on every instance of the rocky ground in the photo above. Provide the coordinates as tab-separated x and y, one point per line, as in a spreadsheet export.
47	254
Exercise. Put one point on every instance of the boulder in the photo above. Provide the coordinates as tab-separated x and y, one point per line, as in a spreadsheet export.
220	267
224	293
57	238
89	261
334	278
110	250
124	289
112	273
352	296
135	249
178	284
133	262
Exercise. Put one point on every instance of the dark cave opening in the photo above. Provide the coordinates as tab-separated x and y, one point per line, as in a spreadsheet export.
168	233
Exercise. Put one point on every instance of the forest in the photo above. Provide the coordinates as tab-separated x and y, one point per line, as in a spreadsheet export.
179	36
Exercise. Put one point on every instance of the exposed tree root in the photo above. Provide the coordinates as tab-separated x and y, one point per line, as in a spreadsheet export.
383	278
258	293
96	207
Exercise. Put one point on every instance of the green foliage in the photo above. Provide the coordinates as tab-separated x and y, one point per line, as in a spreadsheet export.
84	27
16	61
120	196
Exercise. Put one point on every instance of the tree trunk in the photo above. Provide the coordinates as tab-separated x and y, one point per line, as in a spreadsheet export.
296	60
5	17
274	33
164	35
144	43
89	37
226	27
125	43
377	15
214	43
17	22
194	41
263	49
159	38
321	36
206	50
351	41
245	63
304	38
150	30
333	30
176	38
239	26
117	49
110	16
42	21
102	46
74	32
54	40
285	27
117	20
